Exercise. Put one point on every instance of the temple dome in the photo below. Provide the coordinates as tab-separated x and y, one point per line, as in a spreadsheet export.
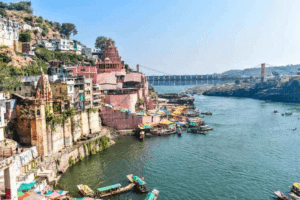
43	89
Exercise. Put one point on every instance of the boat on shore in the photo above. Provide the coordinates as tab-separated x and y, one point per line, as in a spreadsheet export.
281	196
152	195
85	190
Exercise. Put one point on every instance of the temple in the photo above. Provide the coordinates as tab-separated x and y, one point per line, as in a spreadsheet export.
112	61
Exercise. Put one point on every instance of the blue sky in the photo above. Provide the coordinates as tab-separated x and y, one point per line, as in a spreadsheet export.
186	36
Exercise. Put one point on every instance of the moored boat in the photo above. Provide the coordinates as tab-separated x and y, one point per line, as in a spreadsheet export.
109	190
85	190
275	111
152	195
296	188
139	183
281	196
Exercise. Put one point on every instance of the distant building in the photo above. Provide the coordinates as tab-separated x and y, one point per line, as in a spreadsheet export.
26	27
9	32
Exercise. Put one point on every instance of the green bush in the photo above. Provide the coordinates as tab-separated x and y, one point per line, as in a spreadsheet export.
4	58
25	37
3	12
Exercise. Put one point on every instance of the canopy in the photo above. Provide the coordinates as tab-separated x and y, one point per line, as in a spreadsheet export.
177	112
26	186
139	180
109	187
297	185
150	196
193	124
166	122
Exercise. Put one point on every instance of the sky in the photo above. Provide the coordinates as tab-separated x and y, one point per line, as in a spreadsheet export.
186	36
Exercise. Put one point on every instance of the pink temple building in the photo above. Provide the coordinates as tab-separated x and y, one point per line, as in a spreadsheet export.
112	61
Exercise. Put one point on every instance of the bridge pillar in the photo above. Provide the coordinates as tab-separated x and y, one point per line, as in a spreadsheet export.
10	182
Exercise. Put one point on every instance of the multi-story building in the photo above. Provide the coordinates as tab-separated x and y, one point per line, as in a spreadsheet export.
86	71
9	32
88	93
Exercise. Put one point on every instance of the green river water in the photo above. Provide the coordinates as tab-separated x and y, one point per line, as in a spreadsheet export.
250	153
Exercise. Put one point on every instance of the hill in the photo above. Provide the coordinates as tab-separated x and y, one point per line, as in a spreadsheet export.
282	70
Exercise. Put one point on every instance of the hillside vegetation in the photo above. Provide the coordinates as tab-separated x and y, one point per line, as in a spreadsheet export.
281	70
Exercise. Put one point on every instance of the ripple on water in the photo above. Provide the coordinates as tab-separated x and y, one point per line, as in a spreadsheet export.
250	153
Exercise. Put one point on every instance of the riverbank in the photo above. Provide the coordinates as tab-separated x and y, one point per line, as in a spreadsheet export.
278	92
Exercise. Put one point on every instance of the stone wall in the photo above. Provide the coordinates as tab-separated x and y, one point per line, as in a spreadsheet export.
76	126
85	123
94	122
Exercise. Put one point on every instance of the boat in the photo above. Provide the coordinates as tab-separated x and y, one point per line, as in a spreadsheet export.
206	113
85	190
152	195
281	196
294	196
275	111
109	190
296	188
206	128
139	183
288	113
142	135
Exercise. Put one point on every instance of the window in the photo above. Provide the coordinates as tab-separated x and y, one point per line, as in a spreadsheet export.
7	104
92	76
70	88
20	88
83	70
38	112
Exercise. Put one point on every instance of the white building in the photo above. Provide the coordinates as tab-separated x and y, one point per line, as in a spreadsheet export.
9	32
26	27
2	115
37	28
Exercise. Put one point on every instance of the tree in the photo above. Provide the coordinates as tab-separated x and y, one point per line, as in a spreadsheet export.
25	37
67	29
56	26
9	77
3	12
102	42
3	5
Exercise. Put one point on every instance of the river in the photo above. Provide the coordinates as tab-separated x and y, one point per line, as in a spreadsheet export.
250	153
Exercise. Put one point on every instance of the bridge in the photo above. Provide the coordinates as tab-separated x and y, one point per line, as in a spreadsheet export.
171	80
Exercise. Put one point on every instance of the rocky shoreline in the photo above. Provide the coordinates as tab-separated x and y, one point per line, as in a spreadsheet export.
288	92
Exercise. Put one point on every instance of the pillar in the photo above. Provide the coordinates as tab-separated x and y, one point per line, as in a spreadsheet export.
263	74
10	182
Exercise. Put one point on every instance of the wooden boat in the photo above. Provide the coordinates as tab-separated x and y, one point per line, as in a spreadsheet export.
139	182
114	189
206	113
296	188
294	196
142	135
281	196
206	128
85	190
109	190
288	113
152	195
